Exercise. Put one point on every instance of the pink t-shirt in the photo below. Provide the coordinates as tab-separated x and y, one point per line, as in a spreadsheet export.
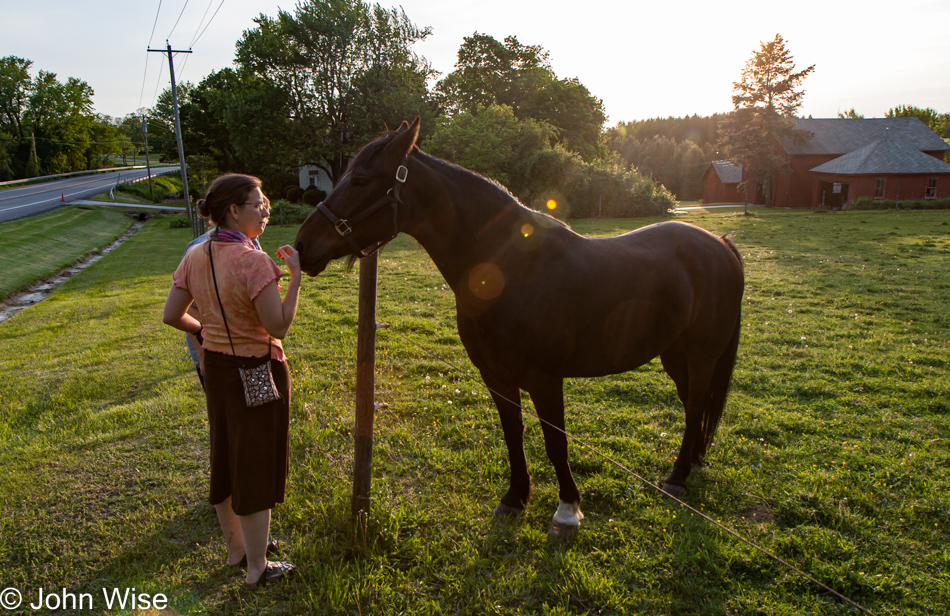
242	273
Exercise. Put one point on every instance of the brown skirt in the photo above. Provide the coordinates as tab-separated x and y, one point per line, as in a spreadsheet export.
249	446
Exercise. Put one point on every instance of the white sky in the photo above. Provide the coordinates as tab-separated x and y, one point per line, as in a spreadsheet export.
643	59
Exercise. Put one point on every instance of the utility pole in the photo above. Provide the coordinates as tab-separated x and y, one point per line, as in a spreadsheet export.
148	164
181	151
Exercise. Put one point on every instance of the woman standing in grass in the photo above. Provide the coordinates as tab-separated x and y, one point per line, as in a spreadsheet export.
242	318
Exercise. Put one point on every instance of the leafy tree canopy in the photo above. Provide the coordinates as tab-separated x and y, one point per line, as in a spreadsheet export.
765	99
48	126
937	122
347	69
493	142
489	72
850	114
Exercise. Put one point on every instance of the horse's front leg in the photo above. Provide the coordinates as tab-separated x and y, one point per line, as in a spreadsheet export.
548	397
508	401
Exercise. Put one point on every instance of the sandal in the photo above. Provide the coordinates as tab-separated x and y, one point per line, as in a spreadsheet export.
273	547
273	572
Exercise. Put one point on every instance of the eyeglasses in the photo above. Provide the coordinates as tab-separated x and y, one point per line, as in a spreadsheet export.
262	206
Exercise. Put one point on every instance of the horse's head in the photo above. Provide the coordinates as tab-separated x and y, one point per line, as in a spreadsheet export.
362	210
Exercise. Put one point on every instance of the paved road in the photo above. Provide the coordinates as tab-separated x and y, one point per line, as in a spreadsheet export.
32	199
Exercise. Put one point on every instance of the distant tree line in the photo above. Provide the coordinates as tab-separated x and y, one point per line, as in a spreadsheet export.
312	85
48	126
673	151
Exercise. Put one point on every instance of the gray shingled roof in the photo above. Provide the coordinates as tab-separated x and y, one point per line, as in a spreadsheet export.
728	173
884	157
844	135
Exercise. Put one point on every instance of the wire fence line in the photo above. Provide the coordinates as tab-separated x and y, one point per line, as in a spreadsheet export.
467	374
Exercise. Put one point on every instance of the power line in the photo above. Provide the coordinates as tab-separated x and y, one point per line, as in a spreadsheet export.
208	8
144	77
156	23
158	82
177	20
145	74
209	23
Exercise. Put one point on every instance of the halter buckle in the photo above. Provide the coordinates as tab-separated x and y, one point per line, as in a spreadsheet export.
343	228
401	174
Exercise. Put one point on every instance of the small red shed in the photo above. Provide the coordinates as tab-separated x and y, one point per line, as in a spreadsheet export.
721	183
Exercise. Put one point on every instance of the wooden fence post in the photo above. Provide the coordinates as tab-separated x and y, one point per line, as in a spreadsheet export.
365	388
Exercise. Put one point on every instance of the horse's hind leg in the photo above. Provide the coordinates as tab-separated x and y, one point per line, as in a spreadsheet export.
548	397
674	362
697	392
507	399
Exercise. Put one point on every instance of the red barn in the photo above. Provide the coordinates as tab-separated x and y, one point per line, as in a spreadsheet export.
881	158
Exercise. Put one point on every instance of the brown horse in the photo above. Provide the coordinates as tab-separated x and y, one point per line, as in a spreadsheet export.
537	302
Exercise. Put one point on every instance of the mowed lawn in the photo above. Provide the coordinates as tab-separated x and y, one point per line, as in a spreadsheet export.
40	246
832	454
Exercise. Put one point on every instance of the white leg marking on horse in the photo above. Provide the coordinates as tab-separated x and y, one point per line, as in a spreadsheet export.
568	514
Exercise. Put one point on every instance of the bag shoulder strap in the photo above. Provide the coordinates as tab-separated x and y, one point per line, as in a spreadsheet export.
214	278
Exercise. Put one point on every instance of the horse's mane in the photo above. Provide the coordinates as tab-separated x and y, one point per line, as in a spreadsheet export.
377	145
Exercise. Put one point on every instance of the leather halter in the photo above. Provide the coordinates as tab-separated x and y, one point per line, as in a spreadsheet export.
345	226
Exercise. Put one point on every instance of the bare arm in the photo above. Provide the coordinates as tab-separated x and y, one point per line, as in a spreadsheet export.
277	315
176	314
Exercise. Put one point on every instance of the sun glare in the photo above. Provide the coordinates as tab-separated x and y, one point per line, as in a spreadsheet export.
552	204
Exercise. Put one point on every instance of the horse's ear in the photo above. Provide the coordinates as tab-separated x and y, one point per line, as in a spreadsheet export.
402	126
405	140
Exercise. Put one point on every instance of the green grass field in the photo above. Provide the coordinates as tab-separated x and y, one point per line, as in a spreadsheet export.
40	246
832	453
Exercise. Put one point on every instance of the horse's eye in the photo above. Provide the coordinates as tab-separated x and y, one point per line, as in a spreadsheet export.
360	181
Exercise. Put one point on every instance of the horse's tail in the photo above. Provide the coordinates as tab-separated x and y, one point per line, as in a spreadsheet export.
722	372
719	388
727	240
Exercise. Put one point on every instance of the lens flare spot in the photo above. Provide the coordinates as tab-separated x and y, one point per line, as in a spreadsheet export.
486	281
526	230
552	204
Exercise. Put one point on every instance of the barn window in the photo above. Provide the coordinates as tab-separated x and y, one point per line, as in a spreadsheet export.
931	189
879	190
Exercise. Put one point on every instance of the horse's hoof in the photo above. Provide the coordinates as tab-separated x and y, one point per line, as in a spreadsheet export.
562	531
674	490
566	521
504	510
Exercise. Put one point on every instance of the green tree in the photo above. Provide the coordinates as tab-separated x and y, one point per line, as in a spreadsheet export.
60	117
937	122
161	121
243	123
15	86
49	126
850	114
348	70
518	153
765	99
701	130
677	165
493	142
489	72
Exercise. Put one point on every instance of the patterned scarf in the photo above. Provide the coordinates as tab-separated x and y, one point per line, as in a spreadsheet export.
227	235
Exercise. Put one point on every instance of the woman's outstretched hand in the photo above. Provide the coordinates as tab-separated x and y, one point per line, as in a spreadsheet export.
291	257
